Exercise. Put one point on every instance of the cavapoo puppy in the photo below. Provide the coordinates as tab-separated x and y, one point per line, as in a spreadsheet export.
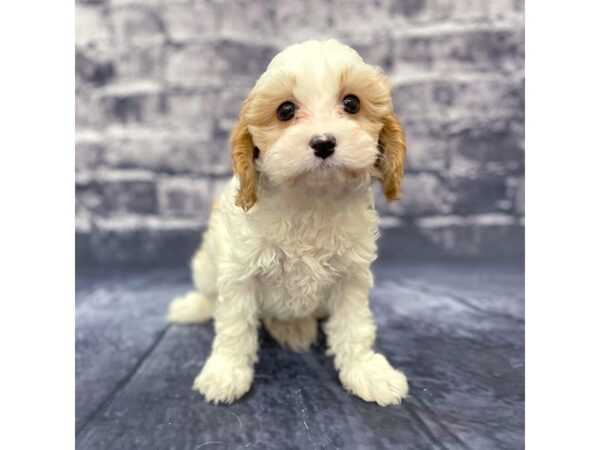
293	237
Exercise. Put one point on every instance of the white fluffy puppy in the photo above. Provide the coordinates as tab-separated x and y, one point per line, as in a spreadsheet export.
293	237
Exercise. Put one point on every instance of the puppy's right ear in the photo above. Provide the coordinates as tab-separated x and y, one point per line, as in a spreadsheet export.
242	153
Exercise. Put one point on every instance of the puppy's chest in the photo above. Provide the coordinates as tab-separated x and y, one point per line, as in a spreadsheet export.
296	276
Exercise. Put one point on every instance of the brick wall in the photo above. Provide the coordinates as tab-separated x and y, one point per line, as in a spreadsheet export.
159	84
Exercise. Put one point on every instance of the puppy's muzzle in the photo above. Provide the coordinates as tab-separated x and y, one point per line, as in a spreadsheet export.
323	145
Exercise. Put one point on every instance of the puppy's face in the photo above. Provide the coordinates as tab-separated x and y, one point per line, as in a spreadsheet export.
318	115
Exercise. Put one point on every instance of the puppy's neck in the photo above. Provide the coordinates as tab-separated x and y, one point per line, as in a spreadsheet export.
311	195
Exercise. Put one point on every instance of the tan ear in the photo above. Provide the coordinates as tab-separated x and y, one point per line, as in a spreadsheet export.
242	153
392	145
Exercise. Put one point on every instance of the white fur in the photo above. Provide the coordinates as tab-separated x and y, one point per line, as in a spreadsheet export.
303	251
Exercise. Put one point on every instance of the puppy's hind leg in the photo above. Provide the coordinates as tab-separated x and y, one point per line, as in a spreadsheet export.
297	335
192	307
196	306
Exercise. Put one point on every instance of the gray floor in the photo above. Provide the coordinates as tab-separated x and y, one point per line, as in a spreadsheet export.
456	329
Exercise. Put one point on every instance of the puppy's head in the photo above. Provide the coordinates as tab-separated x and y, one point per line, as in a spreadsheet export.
318	115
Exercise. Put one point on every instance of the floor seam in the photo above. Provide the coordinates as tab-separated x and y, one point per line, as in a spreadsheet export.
122	383
440	423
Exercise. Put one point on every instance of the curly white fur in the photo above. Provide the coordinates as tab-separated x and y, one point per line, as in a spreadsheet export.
301	252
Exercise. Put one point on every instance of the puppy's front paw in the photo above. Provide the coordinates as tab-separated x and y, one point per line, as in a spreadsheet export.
375	380
223	380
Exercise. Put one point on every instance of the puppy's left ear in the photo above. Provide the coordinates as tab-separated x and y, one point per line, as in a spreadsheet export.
392	146
242	153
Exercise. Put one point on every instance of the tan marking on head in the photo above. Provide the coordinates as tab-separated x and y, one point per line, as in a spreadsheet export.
372	88
377	117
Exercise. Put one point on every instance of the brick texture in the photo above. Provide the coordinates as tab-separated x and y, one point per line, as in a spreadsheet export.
159	84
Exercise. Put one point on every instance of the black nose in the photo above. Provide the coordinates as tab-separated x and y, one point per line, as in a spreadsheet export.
323	145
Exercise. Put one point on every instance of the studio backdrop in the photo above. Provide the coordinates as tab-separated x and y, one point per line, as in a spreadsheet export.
159	85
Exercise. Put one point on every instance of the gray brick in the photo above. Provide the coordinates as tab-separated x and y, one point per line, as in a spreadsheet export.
423	11
89	150
88	110
468	48
481	194
245	57
230	101
374	49
136	63
143	109
188	22
469	147
247	19
409	8
217	61
138	25
220	151
195	110
423	194
306	18
190	66
158	151
94	66
515	193
357	16
185	198
427	148
437	96
137	103
87	198
351	21
91	25
156	3
499	9
112	192
486	148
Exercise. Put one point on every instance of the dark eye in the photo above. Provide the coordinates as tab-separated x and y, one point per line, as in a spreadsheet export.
351	104
286	111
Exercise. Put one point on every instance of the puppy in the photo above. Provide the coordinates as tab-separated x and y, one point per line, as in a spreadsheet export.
293	237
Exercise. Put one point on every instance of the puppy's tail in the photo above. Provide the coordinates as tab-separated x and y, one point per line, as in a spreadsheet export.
193	307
